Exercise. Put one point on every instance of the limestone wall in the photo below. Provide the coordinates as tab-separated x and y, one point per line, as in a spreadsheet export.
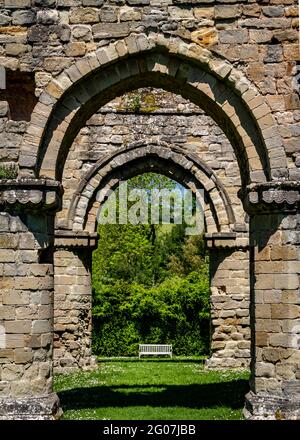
46	36
230	300
246	56
72	310
26	306
152	115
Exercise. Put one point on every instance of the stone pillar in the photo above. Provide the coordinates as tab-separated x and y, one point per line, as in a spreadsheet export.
26	299
73	301
275	299
230	294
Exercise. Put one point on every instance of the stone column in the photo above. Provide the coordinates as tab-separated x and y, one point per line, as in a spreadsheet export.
73	301
275	301
230	293
26	299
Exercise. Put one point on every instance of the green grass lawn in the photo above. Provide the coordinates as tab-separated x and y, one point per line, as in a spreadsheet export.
160	389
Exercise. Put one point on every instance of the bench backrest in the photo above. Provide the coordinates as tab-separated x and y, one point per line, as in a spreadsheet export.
155	348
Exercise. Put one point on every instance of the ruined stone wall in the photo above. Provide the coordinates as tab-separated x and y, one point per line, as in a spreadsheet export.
73	310
26	309
39	39
260	38
230	308
152	115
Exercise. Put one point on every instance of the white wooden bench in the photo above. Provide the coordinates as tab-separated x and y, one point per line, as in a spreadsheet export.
155	349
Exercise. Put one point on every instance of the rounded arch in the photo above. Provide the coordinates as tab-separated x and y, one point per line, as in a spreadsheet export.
137	61
141	157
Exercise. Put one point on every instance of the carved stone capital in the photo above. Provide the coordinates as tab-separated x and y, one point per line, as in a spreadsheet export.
19	195
75	239
271	197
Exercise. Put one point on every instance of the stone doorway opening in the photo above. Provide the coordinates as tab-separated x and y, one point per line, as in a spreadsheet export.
114	146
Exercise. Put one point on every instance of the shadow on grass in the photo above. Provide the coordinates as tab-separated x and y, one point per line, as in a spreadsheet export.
229	394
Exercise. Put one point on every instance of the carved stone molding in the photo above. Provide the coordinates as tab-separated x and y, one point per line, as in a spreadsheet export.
271	197
30	408
227	240
71	239
263	407
21	195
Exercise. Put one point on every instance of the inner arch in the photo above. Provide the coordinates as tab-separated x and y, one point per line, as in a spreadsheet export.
172	162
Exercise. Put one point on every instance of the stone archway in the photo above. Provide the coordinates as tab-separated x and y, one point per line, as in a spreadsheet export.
194	72
160	157
272	203
229	267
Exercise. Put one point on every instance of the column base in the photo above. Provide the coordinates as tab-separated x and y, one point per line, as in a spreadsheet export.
67	364
218	363
30	408
271	407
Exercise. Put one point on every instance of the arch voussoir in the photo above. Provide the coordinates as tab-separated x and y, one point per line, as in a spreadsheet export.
223	91
105	175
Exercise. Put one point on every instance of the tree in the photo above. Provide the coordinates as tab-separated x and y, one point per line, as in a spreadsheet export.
150	283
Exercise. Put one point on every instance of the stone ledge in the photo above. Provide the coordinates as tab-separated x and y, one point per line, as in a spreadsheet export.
281	196
30	195
226	240
263	407
30	408
73	239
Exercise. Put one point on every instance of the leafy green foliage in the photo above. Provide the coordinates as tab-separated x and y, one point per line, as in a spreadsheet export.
150	285
8	171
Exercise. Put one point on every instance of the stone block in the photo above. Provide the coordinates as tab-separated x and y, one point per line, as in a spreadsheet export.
84	16
261	339
15	340
287	252
17	4
252	10
233	36
47	17
227	11
23	17
16	326
41	326
11	372
274	354
15	298
75	49
129	14
268	325
33	341
263	311
8	241
264	369
285	311
23	356
273	11
16	49
26	312
7	312
282	340
110	30
108	14
286	372
82	32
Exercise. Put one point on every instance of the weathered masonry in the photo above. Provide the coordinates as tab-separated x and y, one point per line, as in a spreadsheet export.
93	92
